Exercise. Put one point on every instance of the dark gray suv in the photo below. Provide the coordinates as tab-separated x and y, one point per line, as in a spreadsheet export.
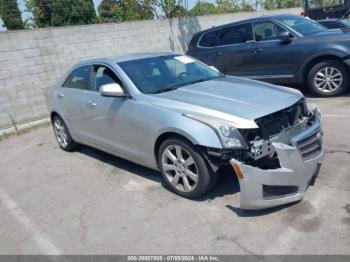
278	49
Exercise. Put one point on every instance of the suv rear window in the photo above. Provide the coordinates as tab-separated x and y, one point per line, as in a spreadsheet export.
208	39
236	34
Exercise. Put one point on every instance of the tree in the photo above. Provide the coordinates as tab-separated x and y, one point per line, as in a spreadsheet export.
203	8
105	10
125	10
227	6
178	11
61	12
280	4
172	8
41	10
10	14
246	7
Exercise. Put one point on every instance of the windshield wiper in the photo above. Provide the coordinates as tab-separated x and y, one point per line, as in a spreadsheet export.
165	90
199	81
203	80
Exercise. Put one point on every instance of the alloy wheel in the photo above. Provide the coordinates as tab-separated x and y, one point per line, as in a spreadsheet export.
180	168
328	79
60	132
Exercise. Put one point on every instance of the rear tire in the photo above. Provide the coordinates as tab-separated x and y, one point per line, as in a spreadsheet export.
328	78
184	169
62	134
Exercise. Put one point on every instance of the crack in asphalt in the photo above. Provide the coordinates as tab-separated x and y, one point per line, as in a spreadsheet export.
333	151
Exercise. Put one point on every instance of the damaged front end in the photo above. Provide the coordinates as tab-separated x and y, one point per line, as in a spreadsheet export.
282	162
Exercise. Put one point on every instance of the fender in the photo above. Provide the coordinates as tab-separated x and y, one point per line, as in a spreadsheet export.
196	132
340	54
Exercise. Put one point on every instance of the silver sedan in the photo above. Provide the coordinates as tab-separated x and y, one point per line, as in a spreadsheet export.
172	113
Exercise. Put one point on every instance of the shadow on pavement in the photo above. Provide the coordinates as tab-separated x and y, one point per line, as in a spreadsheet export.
255	213
121	163
227	183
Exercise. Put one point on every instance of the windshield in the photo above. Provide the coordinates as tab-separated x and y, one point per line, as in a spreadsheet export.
165	73
302	25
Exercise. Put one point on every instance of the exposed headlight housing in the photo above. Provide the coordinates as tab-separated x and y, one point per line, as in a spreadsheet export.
229	136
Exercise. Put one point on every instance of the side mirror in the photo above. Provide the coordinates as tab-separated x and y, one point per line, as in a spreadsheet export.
284	36
112	89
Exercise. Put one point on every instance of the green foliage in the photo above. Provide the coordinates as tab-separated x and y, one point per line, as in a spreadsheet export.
222	6
246	8
227	6
62	12
29	24
10	14
280	4
203	8
126	10
166	6
130	10
178	11
105	10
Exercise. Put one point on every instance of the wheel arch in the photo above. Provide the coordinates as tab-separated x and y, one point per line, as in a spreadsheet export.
170	134
53	114
315	60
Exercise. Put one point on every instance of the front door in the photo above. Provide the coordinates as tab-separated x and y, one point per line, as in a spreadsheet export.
110	120
270	57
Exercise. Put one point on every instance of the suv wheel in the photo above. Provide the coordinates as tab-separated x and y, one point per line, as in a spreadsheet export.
328	78
183	168
62	134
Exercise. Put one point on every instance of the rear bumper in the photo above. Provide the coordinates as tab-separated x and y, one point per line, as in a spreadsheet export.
259	187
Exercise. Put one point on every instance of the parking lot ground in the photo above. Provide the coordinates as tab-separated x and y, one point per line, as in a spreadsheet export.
89	202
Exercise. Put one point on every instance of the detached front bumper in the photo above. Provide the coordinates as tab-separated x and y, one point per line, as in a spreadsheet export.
299	164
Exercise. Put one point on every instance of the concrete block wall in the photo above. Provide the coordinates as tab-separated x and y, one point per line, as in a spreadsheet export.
32	60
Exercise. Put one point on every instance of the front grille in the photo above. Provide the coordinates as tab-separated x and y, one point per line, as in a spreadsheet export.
276	122
310	146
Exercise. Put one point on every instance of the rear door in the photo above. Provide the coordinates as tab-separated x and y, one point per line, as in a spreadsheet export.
71	100
227	49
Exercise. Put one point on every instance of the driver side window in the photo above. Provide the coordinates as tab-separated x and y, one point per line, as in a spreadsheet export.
266	31
102	75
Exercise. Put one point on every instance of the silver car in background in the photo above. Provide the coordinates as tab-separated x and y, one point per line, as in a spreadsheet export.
172	113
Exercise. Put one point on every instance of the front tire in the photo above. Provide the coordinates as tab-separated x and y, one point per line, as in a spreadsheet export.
183	168
63	137
328	78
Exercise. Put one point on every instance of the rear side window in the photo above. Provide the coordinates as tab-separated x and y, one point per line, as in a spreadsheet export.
236	34
79	79
209	39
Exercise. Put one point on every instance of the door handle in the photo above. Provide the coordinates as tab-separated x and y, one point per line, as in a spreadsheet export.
257	50
59	95
219	54
91	104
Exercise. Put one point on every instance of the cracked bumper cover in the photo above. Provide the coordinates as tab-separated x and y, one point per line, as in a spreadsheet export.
294	171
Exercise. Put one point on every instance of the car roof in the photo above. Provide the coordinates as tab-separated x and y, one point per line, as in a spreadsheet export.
123	58
330	20
259	18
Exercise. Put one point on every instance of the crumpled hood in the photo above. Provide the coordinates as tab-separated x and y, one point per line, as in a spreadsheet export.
234	99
